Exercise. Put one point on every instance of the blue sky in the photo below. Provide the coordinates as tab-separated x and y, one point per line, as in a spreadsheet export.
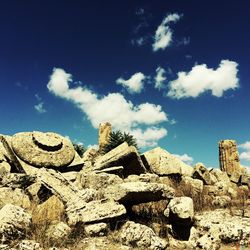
173	73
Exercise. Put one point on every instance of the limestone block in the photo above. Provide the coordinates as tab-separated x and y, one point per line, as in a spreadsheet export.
96	181
200	172
94	212
138	235
14	222
139	192
98	229
58	232
123	155
29	245
14	196
180	210
163	163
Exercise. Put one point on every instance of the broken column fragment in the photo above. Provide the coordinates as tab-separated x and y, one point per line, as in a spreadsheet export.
104	132
229	157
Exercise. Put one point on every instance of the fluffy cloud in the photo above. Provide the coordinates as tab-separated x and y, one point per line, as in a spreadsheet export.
40	106
201	79
245	155
163	35
134	84
122	114
149	137
185	158
160	78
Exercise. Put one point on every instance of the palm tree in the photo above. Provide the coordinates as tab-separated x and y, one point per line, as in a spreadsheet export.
116	138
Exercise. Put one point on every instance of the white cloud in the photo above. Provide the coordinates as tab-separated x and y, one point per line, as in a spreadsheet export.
149	137
40	106
94	146
134	84
160	78
245	155
185	158
114	108
201	79
163	34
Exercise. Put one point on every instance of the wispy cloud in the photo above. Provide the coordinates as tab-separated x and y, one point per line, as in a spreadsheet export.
245	155
185	158
164	35
160	78
134	84
40	106
201	79
114	108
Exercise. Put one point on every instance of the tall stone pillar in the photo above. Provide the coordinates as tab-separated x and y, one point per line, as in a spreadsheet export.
104	132
229	157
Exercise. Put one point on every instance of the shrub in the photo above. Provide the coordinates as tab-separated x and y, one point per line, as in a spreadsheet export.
116	138
79	148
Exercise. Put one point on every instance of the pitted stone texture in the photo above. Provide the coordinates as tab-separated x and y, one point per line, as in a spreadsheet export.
43	149
14	222
138	235
180	210
58	232
29	245
98	229
94	212
229	157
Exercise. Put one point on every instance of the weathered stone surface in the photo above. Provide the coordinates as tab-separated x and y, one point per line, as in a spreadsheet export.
200	172
229	157
104	131
96	181
14	196
52	210
208	242
9	155
138	235
14	222
29	245
5	168
43	149
221	176
196	186
99	229
139	192
147	177
70	176
94	212
180	210
58	232
60	186
100	243
163	163
221	226
123	155
16	180
89	155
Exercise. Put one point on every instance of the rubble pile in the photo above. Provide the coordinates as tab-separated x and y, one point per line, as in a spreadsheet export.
120	199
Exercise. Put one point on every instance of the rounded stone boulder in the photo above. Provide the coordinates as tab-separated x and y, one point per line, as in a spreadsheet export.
43	149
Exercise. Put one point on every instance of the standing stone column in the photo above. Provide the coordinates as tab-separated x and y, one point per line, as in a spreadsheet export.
104	132
229	157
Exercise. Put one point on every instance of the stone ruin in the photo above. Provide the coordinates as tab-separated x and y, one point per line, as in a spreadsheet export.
230	161
135	198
